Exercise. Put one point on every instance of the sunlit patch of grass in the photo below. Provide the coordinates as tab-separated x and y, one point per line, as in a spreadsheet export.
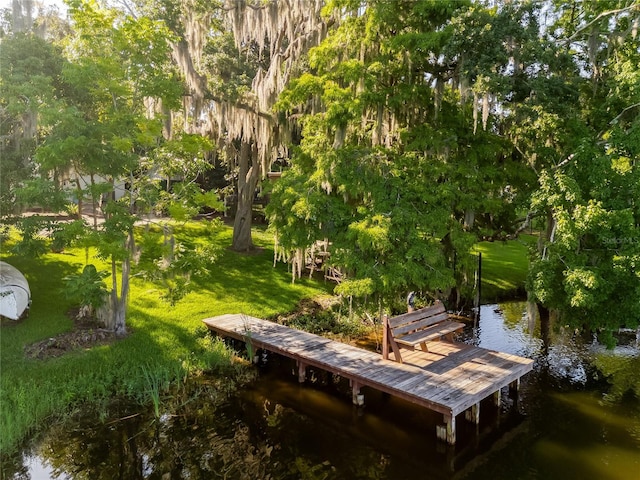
504	267
168	342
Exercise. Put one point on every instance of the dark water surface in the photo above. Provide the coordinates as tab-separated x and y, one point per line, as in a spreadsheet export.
575	418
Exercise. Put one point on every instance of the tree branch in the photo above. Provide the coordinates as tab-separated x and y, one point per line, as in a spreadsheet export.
564	162
526	221
615	120
240	105
127	7
600	16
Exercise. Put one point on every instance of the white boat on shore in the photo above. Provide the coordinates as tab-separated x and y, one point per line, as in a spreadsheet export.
15	296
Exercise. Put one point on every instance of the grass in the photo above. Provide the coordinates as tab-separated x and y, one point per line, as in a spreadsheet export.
165	343
504	267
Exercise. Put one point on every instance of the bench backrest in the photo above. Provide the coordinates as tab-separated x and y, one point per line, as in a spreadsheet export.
418	319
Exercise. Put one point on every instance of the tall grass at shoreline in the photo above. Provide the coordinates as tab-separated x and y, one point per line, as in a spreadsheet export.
164	344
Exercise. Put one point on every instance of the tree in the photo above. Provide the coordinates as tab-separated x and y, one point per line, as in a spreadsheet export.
392	168
30	86
503	116
109	135
589	263
234	85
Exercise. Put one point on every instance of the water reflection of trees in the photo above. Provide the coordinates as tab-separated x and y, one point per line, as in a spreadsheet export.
623	374
192	438
512	313
198	435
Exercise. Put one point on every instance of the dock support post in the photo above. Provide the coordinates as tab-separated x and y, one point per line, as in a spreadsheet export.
447	432
497	398
385	336
514	387
356	397
473	414
451	430
302	371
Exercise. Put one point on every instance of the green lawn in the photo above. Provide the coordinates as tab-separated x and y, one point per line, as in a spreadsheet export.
504	267
164	342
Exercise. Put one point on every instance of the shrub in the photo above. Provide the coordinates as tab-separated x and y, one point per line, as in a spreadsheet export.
86	289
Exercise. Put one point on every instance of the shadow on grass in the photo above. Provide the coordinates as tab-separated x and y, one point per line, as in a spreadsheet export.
504	268
47	315
253	280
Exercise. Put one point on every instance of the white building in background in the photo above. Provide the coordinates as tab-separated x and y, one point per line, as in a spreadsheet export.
84	182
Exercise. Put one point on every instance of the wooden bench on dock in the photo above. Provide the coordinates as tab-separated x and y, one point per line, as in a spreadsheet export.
417	328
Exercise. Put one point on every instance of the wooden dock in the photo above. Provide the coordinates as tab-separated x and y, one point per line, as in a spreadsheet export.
451	378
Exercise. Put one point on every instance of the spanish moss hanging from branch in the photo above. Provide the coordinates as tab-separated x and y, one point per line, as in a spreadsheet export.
275	36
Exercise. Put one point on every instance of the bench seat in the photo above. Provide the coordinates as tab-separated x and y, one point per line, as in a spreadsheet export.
416	328
428	334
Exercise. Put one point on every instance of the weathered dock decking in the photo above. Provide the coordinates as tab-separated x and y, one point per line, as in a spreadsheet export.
450	378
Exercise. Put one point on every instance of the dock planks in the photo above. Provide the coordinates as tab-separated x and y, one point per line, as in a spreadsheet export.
450	378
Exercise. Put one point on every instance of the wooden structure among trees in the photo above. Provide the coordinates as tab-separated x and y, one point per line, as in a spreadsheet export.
416	328
451	378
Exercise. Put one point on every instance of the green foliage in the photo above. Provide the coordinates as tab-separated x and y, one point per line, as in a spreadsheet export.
355	288
31	242
173	262
182	157
229	72
587	271
87	288
383	172
111	240
186	200
390	173
379	225
175	289
30	90
101	128
40	192
589	263
33	246
66	234
5	234
328	323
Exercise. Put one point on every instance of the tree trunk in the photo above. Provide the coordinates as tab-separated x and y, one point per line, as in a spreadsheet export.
119	303
248	175
545	332
549	235
113	298
94	210
469	219
120	327
79	194
119	317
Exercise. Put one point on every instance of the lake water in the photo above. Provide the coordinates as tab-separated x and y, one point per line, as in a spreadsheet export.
575	418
